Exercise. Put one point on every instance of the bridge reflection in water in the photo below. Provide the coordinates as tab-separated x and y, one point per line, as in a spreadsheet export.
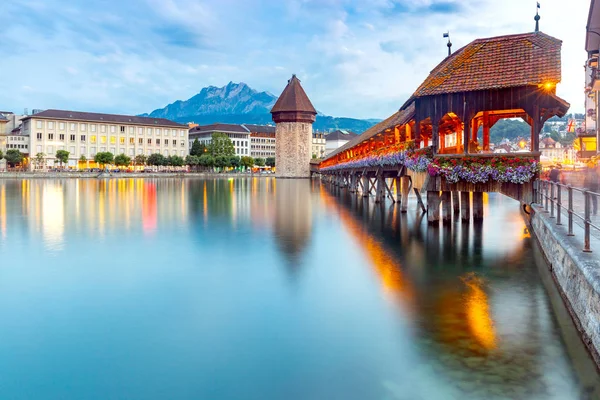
478	308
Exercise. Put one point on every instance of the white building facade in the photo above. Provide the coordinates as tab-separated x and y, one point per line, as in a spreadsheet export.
85	134
239	135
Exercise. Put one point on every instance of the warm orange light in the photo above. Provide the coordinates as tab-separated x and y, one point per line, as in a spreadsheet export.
548	86
522	144
479	316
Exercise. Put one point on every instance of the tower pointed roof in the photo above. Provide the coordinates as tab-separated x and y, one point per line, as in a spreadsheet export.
293	104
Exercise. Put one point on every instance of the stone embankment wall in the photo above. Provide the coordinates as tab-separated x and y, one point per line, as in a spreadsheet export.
293	149
577	275
66	175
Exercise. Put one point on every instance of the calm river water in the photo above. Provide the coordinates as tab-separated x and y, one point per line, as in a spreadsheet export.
263	289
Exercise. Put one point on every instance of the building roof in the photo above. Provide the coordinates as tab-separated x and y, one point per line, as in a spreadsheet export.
293	99
548	142
592	40
260	128
398	118
341	135
497	62
97	117
219	127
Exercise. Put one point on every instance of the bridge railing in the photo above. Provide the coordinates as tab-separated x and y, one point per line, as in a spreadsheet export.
579	205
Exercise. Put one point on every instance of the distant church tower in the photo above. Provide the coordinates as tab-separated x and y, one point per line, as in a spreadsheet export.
294	115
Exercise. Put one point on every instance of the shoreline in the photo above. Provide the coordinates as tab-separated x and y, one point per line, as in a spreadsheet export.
125	175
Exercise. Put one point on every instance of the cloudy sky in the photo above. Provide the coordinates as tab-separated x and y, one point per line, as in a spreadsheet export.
356	58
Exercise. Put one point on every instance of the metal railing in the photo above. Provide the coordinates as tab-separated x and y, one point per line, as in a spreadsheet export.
579	206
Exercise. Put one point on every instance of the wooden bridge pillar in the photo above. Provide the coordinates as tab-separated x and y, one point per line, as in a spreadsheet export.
455	203
352	184
398	185
465	206
477	206
405	189
446	206
379	187
366	183
433	206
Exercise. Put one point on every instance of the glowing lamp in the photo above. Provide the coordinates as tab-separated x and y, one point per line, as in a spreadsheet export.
522	144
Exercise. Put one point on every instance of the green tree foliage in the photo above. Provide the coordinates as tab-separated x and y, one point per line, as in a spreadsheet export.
104	157
247	161
198	148
62	156
175	161
270	162
221	145
40	160
13	157
140	159
122	160
206	160
509	129
83	158
1	155
221	161
260	162
234	161
156	159
192	161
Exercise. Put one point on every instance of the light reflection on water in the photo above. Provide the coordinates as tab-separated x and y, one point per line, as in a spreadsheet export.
256	288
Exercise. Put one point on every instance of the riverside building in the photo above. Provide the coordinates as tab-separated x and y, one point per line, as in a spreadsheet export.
85	134
262	140
239	135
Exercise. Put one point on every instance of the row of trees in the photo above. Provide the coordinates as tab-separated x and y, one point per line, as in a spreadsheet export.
13	157
208	161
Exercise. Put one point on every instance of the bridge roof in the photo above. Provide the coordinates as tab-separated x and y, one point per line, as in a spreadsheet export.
496	62
398	118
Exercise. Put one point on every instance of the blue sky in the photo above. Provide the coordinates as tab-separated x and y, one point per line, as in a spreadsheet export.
359	58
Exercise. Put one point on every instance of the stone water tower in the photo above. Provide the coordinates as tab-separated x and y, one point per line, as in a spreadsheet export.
294	115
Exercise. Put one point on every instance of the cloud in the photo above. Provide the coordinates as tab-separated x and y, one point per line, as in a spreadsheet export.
356	58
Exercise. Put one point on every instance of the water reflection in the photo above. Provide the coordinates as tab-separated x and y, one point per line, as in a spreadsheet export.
180	285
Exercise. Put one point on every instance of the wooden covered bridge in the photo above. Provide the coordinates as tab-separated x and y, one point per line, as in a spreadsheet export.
438	142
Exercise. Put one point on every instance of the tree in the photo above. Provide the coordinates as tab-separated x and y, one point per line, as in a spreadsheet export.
122	160
198	148
221	145
234	161
140	159
260	162
1	155
104	157
13	157
509	129
192	160
175	161
221	161
247	161
270	161
156	159
206	160
83	158
40	160
62	156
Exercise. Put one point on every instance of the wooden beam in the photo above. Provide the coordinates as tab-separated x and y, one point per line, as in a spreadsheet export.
486	131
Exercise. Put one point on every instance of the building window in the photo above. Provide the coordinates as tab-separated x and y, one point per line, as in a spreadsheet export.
93	139
112	150
113	140
72	138
122	129
149	131
140	151
72	150
158	131
157	142
72	126
102	128
174	132
122	150
61	126
182	133
131	152
39	135
174	142
148	152
82	150
167	153
102	139
166	142
93	127
82	138
38	124
38	148
50	124
102	149
61	136
149	141
131	140
182	143
92	151
121	140
113	129
140	131
140	141
61	147
51	136
131	129
50	150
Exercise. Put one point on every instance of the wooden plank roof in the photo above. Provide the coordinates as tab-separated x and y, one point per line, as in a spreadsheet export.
497	62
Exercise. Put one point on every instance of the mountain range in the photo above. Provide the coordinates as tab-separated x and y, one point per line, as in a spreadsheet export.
237	103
